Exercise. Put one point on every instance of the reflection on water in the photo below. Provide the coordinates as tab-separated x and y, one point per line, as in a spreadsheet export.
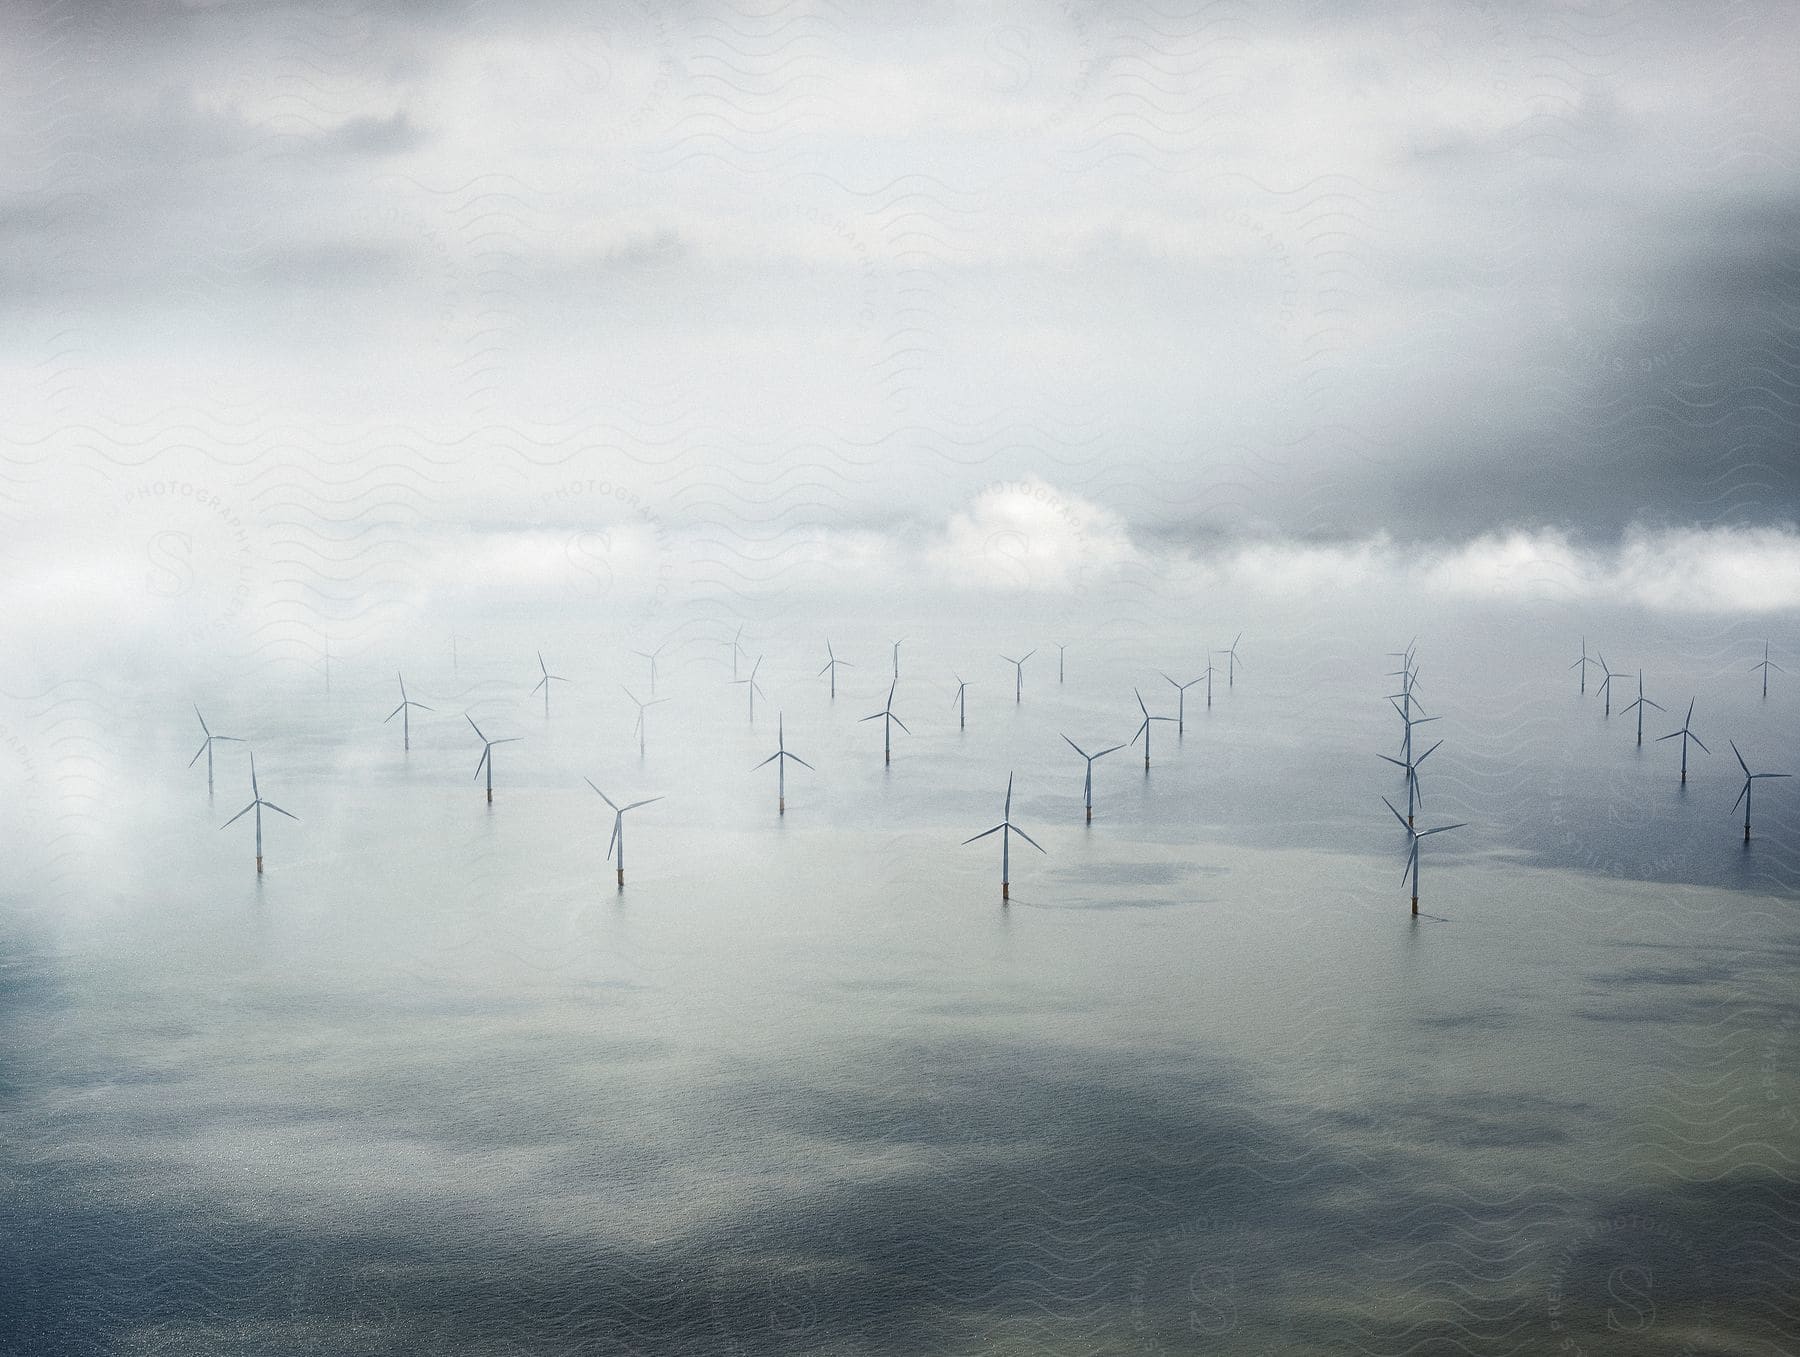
435	1085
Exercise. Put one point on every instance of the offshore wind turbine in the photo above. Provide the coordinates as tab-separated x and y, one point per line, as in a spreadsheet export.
1412	854
1582	664
1685	734
404	712
1019	672
735	648
1180	701
1143	731
545	682
1087	781
831	667
1640	704
651	655
487	754
1749	781
638	729
1006	829
618	830
752	685
888	722
1766	665
257	803
961	702
1231	660
1414	797
206	749
1606	679
780	758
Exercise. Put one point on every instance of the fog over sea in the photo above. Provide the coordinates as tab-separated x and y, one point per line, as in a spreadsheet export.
656	344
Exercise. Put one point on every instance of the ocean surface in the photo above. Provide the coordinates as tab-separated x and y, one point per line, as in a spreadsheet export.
435	1084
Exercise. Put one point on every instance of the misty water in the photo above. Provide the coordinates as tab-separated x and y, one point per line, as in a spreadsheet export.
434	1084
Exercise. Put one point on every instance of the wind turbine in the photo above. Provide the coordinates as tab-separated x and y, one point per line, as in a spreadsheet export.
1143	731
487	754
404	712
638	729
752	686
1006	829
1414	797
1087	781
961	702
206	749
1411	721
1685	734
256	804
1231	660
1019	672
1181	701
888	722
1208	676
831	667
1607	676
736	649
1582	664
779	758
618	831
651	656
1749	781
1412	854
1766	665
1640	704
545	682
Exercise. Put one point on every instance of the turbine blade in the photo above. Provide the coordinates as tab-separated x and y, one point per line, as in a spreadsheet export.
1397	815
474	727
1696	739
395	712
1740	759
1444	829
1072	745
1426	754
279	811
768	760
482	764
1411	858
240	815
1111	750
1028	839
802	762
603	796
199	752
635	804
1396	762
984	833
1741	795
897	721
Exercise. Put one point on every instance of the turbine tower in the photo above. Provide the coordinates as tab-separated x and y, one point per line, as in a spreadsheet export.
1180	701
404	712
1412	854
1087	780
1006	829
487	754
1640	703
1766	665
1231	660
638	729
1685	734
780	759
257	803
1019	673
888	722
206	749
1750	780
618	830
1143	730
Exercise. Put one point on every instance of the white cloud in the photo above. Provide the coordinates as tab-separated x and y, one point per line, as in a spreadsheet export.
1027	534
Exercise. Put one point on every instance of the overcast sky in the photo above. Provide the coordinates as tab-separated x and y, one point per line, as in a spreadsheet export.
821	276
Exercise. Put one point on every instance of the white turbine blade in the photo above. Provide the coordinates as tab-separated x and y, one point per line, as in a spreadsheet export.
395	712
1740	759
1741	795
1771	775
1397	815
614	837
897	721
1444	829
540	683
802	762
240	815
421	706
1427	754
1142	727
1411	858
202	720
984	833
876	717
1028	839
1027	655
1111	749
603	796
769	760
200	751
482	764
279	811
1696	739
1077	748
1672	735
1396	762
510	739
635	804
474	727
1140	701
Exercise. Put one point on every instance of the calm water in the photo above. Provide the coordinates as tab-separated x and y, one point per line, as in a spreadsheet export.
434	1085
